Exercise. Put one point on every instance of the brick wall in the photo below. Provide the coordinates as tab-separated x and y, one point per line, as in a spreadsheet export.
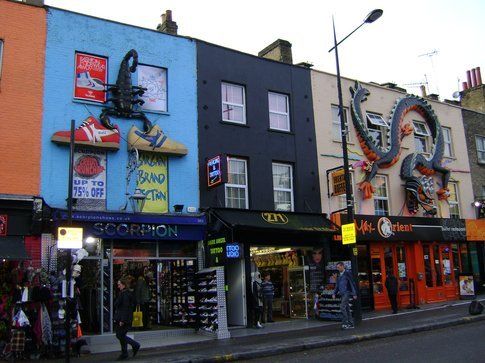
23	31
474	123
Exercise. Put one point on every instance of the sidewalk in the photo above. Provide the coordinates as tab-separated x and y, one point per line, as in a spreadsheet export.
298	335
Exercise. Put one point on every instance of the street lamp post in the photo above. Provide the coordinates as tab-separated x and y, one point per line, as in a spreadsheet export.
370	18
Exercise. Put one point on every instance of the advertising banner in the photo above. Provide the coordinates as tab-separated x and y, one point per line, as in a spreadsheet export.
89	179
467	288
338	180
375	228
154	79
91	75
152	181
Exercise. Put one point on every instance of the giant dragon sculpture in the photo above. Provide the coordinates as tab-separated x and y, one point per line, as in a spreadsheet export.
417	189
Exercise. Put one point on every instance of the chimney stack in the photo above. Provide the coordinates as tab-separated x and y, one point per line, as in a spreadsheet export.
479	76
423	90
469	79
280	51
474	78
473	94
168	25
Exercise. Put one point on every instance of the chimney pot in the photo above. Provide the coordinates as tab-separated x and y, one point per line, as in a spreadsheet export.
479	76
469	79
423	90
168	25
474	78
464	85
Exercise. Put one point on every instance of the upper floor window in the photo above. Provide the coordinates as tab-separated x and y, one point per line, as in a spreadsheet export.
236	187
283	187
480	140
381	195
448	150
279	114
233	103
336	129
454	200
421	137
378	128
1	57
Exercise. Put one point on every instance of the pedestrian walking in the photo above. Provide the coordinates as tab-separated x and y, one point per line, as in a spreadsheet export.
391	286
257	299
345	287
268	295
123	316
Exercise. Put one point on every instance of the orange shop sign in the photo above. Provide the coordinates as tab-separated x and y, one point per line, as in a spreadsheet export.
338	181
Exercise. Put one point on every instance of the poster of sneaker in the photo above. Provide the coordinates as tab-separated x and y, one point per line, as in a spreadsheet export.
91	75
154	79
89	180
152	180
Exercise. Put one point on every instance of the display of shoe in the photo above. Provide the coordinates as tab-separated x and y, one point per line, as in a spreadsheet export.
84	80
91	132
155	141
212	290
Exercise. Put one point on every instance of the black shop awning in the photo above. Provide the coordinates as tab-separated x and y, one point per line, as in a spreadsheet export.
13	248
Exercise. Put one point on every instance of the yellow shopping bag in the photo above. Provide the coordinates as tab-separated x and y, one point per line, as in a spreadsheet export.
137	318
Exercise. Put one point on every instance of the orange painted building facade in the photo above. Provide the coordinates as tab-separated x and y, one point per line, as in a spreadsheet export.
23	34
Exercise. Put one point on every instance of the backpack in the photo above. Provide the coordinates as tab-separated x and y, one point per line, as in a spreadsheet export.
475	308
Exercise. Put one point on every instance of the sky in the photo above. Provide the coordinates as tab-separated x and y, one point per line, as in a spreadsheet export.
431	42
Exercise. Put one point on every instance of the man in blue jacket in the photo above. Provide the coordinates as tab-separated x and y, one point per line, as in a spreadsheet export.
345	287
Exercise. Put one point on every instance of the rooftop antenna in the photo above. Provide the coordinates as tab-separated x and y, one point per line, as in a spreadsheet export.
430	55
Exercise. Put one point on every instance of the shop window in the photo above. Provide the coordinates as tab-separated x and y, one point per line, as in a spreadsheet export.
279	114
336	129
465	262
283	187
453	200
448	148
377	275
427	266
437	265
422	137
480	141
377	128
233	103
1	57
388	261
446	262
236	188
381	196
456	260
401	268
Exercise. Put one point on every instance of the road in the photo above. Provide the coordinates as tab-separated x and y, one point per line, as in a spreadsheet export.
463	343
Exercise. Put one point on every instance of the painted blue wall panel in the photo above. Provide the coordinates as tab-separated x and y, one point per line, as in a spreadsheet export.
70	32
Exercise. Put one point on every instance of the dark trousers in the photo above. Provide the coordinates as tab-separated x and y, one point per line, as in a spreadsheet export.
393	299
121	332
144	308
347	318
256	315
267	308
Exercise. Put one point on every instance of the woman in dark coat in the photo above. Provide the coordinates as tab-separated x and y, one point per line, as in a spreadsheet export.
391	286
123	316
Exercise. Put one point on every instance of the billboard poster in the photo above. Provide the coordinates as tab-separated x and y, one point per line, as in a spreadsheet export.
154	79
152	181
89	179
91	75
467	288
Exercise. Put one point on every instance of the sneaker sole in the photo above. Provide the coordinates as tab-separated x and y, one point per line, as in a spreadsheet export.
104	145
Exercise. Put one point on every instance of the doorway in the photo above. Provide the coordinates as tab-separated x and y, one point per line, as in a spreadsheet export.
439	272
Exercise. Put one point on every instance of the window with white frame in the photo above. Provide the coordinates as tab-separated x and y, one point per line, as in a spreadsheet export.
480	141
421	137
236	188
1	57
381	195
377	128
283	187
279	114
454	200
448	150
233	103
342	199
336	129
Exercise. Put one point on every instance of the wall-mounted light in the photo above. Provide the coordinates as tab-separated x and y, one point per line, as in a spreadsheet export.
178	208
137	201
90	240
477	203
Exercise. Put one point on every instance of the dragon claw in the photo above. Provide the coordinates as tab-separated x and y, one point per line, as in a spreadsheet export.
443	194
367	189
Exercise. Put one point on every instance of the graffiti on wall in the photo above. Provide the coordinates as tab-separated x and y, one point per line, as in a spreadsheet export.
152	180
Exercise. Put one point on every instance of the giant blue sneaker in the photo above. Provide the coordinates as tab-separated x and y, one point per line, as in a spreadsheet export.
155	141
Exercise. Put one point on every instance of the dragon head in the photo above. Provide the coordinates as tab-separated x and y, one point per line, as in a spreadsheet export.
418	192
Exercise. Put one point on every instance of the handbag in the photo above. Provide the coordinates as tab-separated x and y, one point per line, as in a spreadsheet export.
137	318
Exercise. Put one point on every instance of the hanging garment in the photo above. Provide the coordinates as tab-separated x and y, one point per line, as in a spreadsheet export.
37	330
46	326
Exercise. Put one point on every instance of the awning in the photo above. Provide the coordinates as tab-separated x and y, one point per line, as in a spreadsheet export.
275	220
13	248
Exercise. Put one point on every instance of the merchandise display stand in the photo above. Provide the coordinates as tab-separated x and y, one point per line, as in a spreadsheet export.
211	303
183	293
328	307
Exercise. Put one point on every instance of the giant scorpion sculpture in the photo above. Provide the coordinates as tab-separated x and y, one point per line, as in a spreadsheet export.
417	190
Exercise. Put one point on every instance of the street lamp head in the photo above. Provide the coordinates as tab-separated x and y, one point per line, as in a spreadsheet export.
373	16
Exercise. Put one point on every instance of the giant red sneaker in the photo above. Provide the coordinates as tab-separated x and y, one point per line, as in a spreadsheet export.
92	133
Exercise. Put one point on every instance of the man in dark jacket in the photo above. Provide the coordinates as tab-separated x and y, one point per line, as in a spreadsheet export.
123	316
391	286
345	287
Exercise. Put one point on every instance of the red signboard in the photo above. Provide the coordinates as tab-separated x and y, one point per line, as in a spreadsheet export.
3	224
91	75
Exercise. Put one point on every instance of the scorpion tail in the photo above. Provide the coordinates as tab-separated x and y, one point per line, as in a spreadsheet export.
134	55
106	121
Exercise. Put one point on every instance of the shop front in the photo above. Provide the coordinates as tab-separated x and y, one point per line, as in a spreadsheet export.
158	253
292	248
426	255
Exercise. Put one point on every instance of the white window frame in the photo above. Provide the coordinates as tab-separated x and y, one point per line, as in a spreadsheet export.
237	186
286	190
275	112
421	132
2	45
378	198
448	141
480	143
376	123
243	105
336	130
454	203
